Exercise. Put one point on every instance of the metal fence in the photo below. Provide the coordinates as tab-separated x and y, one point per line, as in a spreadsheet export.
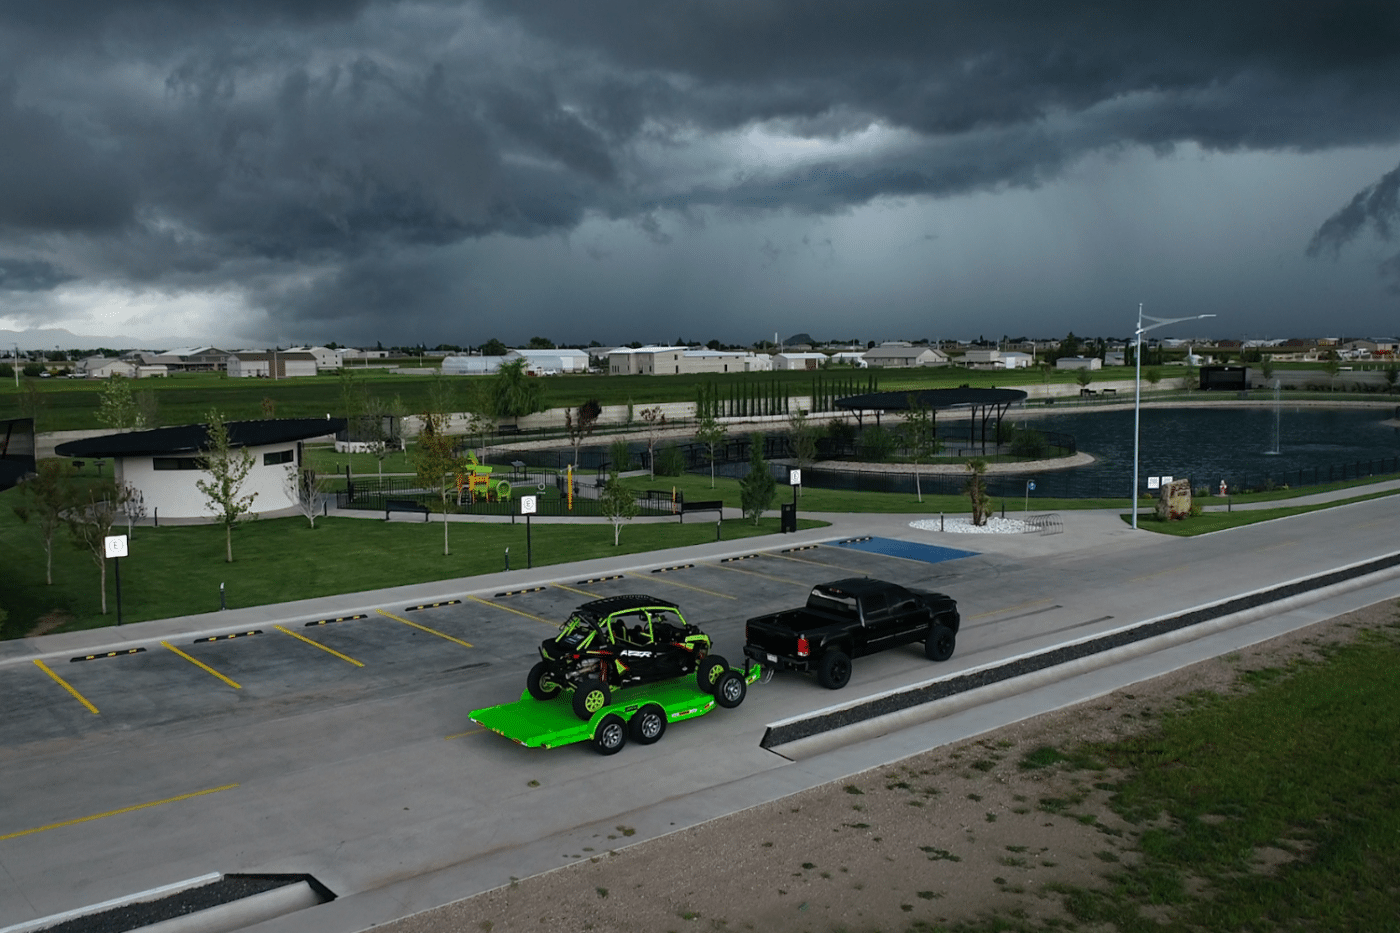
374	493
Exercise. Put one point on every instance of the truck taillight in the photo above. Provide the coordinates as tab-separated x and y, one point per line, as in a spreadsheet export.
803	649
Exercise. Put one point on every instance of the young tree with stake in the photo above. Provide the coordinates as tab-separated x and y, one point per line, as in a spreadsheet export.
227	467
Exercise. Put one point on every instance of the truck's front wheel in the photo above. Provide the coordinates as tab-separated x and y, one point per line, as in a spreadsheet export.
590	696
834	669
539	685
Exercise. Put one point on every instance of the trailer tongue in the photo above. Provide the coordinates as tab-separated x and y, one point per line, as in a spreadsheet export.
641	713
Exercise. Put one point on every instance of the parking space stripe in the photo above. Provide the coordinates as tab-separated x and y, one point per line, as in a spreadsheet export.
799	560
519	612
687	586
131	809
66	686
430	631
460	734
317	644
766	576
579	592
200	664
997	612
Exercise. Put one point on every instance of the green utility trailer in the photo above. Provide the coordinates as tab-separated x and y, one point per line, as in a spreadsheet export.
641	714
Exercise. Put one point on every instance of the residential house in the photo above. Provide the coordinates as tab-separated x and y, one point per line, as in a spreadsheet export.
904	356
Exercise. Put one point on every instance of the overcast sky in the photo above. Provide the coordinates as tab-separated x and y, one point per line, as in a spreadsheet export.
273	171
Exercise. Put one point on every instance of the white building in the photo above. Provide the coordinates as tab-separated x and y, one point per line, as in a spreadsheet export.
1079	362
327	360
854	358
903	356
996	359
103	367
164	464
549	362
276	364
471	365
799	360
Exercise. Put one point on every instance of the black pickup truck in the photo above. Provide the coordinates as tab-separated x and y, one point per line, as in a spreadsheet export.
849	619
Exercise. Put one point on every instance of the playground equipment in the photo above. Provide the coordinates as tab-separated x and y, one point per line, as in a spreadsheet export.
478	484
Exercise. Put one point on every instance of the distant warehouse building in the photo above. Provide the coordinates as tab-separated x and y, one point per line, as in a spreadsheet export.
903	356
275	364
548	362
471	365
675	361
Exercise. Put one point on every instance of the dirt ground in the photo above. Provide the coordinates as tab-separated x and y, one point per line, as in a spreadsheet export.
953	834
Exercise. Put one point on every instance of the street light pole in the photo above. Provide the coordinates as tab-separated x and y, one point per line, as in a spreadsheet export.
1137	388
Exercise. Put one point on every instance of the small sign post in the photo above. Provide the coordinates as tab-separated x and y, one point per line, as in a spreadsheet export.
1030	487
527	508
115	548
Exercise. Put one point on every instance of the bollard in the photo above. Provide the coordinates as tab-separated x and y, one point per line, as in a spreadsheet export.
940	521
157	517
508	557
717	525
223	603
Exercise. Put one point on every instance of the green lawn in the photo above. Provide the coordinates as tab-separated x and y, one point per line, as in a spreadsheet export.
177	570
1305	764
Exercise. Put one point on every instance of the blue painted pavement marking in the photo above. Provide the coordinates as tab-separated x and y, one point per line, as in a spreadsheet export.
909	550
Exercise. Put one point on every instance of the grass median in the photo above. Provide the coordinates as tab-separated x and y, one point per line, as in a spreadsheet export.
177	570
1208	522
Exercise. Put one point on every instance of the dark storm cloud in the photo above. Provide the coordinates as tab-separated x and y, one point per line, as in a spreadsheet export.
339	143
1377	207
30	275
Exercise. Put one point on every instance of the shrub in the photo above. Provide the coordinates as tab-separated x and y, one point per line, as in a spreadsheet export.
877	444
670	462
1030	444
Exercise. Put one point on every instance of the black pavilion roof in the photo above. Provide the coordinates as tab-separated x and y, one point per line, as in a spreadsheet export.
191	438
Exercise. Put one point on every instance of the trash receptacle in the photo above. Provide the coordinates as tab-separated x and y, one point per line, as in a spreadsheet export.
788	517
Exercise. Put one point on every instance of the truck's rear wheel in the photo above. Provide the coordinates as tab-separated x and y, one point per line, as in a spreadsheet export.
611	735
731	690
709	672
540	687
649	725
939	644
590	696
834	669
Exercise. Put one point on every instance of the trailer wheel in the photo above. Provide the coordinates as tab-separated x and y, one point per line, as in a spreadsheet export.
731	690
939	644
709	672
611	735
590	696
540	688
649	725
834	670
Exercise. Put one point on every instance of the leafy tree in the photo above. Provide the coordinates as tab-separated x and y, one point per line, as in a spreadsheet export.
1029	444
656	420
842	435
1189	379
1153	375
803	436
45	498
32	400
307	490
494	347
1070	346
33	370
617	504
540	343
671	462
1084	377
90	518
438	463
515	393
116	408
1331	365
147	410
757	489
1392	373
7	371
580	424
920	436
133	503
711	433
227	467
877	443
1266	366
976	489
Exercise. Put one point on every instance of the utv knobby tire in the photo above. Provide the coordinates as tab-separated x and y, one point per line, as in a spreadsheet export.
834	669
939	644
610	735
540	688
648	725
711	669
589	697
731	690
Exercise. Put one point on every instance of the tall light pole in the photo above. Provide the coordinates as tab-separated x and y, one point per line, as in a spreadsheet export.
1137	387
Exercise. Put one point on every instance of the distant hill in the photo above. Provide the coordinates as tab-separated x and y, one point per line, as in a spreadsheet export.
48	338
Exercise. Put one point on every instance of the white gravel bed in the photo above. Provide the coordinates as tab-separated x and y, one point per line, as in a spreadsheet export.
964	526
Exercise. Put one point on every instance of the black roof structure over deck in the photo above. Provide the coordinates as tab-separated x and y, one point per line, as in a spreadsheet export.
984	405
192	438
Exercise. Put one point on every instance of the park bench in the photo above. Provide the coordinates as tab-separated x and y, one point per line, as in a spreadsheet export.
508	430
702	505
404	505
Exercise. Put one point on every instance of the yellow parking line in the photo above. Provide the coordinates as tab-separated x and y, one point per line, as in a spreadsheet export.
580	592
201	664
430	631
686	586
997	612
766	576
317	644
800	560
131	809
519	612
1149	576
66	686
460	734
